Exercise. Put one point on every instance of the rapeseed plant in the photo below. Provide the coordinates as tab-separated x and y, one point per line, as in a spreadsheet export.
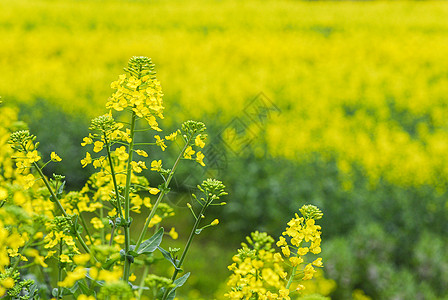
88	232
260	271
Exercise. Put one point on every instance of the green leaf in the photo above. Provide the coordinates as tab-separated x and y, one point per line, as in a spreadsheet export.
178	282
61	188
168	257
151	244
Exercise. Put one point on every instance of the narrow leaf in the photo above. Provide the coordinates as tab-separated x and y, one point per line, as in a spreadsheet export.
151	244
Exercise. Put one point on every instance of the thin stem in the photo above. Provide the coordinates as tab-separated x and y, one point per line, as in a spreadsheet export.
127	263
142	282
112	170
159	199
59	294
58	203
187	246
112	232
293	273
85	227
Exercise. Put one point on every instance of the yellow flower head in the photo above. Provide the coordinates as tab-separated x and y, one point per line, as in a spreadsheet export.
33	156
55	157
156	165
200	158
87	160
173	234
98	146
199	142
188	152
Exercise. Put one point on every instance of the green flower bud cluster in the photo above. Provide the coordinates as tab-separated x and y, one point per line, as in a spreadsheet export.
259	241
212	188
115	290
139	66
191	129
311	212
104	123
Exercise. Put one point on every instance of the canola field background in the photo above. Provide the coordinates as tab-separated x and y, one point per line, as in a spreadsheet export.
362	93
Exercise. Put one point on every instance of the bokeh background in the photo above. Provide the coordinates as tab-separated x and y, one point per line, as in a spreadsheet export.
339	104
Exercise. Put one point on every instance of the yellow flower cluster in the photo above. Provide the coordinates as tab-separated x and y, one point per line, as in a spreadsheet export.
320	71
143	94
260	272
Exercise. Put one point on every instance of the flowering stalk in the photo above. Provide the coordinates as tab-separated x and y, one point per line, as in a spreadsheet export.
127	262
213	190
59	288
114	179
58	203
160	197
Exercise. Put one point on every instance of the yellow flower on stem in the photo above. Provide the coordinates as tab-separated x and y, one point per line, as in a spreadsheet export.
189	152
87	160
121	153
55	157
98	146
142	153
33	156
172	136
154	191
173	234
159	142
86	141
97	223
200	158
199	142
156	165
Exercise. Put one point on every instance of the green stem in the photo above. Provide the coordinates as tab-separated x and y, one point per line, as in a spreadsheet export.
58	203
59	270
293	273
161	195
142	282
187	246
112	232
114	179
85	227
127	263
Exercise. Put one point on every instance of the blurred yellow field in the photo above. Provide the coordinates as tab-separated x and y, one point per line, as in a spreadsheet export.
366	83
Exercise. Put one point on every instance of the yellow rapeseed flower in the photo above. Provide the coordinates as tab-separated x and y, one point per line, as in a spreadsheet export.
55	157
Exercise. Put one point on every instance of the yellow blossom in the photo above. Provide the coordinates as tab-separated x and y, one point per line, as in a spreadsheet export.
55	157
318	262
85	297
142	153
33	156
87	160
215	222
98	146
121	153
155	220
8	283
199	142
302	251
81	259
86	141
3	193
295	261
160	143
172	136
64	258
200	158
286	251
156	165
154	191
97	223
188	152
173	234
